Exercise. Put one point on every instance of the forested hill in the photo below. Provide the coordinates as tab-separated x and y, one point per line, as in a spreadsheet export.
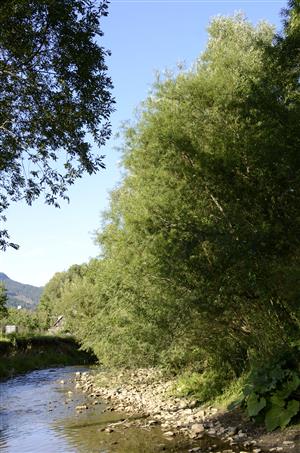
27	296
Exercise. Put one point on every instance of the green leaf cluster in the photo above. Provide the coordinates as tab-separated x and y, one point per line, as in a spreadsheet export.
273	394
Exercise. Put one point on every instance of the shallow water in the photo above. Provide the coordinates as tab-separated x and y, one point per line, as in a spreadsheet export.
38	415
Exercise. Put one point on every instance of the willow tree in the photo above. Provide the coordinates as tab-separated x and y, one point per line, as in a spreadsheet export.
179	236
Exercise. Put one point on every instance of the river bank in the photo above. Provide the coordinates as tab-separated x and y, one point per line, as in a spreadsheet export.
148	393
21	354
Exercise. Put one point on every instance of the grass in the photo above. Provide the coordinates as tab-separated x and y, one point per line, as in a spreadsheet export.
21	354
232	393
206	387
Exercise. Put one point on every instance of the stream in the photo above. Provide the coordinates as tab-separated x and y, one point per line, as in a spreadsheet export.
38	414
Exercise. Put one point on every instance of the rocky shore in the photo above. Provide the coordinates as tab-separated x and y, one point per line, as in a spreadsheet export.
145	396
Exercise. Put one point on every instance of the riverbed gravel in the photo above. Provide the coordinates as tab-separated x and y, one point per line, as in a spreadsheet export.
146	397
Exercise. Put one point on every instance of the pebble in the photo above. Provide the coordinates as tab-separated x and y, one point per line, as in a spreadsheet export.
241	435
197	428
82	407
169	433
232	430
153	422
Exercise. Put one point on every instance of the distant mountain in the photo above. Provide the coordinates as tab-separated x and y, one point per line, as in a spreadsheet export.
27	296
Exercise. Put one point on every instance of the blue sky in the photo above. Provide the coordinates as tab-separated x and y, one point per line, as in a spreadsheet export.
144	36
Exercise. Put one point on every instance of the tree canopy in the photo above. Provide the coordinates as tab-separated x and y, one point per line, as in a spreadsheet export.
55	98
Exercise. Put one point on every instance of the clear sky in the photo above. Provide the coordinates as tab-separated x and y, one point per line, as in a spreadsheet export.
144	36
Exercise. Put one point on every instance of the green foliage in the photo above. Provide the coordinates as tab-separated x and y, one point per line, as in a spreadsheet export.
271	391
188	384
3	300
172	264
51	302
20	354
204	386
255	404
278	415
54	91
27	321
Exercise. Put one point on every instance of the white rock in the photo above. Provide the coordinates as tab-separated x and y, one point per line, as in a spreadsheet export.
197	428
169	433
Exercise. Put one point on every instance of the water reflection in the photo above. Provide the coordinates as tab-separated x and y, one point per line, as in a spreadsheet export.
28	406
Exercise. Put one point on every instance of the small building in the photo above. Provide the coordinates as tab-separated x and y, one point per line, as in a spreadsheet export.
10	329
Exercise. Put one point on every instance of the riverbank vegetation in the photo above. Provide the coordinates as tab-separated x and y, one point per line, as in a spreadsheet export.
19	354
199	267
